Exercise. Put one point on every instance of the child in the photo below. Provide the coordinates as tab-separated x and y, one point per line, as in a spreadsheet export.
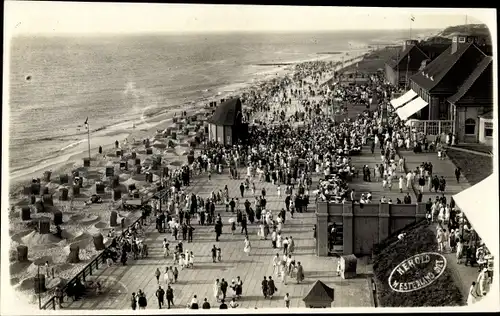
233	227
219	254
287	300
182	261
165	248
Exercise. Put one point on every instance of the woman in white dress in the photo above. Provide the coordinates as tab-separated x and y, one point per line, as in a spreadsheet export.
217	290
280	224
279	191
261	231
401	182
167	276
247	247
279	240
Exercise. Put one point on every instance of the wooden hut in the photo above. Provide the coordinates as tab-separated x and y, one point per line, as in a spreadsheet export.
226	124
320	296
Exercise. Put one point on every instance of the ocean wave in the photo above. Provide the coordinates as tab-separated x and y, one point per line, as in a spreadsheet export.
72	145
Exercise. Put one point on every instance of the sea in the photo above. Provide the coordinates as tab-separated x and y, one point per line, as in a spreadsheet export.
57	82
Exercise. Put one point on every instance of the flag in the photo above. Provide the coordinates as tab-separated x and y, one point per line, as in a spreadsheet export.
412	18
86	123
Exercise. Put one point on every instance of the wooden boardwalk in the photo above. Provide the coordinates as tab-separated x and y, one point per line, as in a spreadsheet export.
121	281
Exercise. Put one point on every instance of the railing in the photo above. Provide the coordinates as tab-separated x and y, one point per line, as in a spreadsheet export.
85	272
432	127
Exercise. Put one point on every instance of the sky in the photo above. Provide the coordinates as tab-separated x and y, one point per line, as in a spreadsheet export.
27	17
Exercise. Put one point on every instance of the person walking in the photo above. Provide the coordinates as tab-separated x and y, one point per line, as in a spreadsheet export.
271	288
166	276
273	238
239	287
247	248
176	274
160	295
133	301
287	300
190	233
142	301
300	273
157	275
166	245
276	264
170	297
264	287
472	297
223	288
217	290
285	246
291	245
214	253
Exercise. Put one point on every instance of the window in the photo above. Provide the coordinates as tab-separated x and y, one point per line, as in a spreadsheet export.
461	39
488	129
470	126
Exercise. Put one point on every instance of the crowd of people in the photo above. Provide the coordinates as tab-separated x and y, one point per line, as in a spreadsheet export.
291	139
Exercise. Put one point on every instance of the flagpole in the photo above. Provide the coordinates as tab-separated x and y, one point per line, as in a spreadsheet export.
88	136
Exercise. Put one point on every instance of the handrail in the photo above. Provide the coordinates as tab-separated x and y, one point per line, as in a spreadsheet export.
86	271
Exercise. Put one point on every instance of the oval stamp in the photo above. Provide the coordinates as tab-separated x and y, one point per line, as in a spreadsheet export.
417	272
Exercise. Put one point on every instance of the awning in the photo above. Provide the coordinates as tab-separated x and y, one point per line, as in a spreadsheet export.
410	94
411	108
480	206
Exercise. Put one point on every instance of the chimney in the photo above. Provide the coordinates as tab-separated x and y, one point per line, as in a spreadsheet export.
409	43
463	40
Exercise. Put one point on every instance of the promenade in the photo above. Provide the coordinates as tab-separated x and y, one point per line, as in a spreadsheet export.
121	281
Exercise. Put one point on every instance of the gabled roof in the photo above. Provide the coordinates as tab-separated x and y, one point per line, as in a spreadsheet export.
487	115
319	292
481	67
400	57
439	67
226	113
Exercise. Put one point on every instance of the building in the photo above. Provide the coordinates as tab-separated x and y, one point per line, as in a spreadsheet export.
444	76
406	63
413	57
226	124
472	105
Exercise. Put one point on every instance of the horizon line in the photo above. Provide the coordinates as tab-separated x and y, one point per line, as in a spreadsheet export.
193	32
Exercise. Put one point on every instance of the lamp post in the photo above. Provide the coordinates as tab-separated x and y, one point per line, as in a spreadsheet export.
39	289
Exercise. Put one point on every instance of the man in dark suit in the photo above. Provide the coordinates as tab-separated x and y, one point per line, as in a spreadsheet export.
160	294
223	288
170	297
264	287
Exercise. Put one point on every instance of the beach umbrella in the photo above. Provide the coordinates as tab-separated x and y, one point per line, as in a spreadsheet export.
158	144
176	163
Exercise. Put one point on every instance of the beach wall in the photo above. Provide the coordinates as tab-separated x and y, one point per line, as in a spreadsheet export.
363	225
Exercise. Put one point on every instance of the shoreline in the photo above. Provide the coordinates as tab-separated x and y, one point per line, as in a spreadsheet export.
160	120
